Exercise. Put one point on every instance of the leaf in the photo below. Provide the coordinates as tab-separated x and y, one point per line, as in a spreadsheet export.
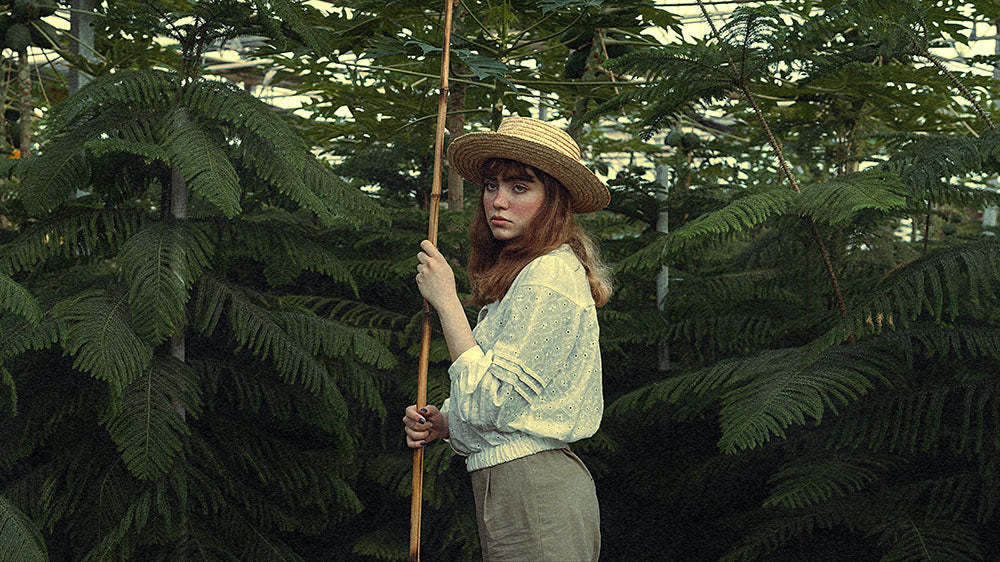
838	200
17	299
95	327
203	162
20	540
744	213
160	263
152	422
554	5
484	67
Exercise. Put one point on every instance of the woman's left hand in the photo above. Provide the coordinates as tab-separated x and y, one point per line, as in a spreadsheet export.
435	279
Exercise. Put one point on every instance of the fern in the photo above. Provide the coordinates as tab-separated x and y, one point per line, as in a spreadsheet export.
259	331
202	161
160	264
382	544
20	541
152	422
745	213
839	200
17	299
908	540
76	231
274	243
813	482
941	284
150	88
95	327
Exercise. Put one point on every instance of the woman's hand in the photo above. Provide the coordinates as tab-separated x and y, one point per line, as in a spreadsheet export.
435	279
424	426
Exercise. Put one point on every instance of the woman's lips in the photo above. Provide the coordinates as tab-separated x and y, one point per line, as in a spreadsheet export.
499	220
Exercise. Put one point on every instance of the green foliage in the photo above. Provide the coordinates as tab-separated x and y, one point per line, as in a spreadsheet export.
151	424
19	539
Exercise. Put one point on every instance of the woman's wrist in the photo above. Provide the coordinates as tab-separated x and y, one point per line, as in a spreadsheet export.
455	325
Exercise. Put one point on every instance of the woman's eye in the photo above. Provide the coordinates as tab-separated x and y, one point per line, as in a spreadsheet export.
490	186
520	188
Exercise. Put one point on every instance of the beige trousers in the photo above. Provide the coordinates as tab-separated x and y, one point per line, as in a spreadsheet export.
539	508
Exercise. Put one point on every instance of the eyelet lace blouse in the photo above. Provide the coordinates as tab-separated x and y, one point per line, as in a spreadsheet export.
533	382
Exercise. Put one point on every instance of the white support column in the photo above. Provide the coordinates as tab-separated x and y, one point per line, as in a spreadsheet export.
663	277
81	26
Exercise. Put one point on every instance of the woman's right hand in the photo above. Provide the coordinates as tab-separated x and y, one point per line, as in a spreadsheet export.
424	425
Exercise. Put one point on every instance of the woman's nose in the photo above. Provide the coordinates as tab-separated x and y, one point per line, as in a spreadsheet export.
500	200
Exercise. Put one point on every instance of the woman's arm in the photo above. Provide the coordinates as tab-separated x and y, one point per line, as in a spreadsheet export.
436	282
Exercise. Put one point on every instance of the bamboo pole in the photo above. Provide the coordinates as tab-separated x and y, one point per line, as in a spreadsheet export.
416	498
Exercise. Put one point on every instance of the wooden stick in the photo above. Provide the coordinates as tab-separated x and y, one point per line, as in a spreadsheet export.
416	499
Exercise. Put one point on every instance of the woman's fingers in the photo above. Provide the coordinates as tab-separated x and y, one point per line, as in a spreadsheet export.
418	426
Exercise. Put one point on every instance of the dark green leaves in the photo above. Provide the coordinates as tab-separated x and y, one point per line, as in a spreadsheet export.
160	264
97	329
20	540
151	423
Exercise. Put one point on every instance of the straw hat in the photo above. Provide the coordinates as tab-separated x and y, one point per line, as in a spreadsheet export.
538	144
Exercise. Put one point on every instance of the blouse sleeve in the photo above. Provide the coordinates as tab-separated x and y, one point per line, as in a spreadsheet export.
539	331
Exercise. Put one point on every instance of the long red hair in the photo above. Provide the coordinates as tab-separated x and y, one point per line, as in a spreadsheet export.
493	264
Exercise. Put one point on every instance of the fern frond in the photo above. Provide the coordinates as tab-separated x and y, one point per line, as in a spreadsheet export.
95	326
115	544
160	264
290	15
257	391
260	331
230	537
232	106
20	540
647	259
919	418
333	339
151	423
137	88
794	393
382	544
17	299
351	312
202	161
9	403
309	485
70	232
20	335
838	200
747	33
271	243
345	201
908	540
53	175
775	532
808	483
685	76
942	283
102	147
745	213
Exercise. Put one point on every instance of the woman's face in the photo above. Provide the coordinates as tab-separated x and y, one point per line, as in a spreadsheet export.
511	201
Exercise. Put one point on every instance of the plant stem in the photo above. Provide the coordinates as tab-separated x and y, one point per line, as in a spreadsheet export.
827	264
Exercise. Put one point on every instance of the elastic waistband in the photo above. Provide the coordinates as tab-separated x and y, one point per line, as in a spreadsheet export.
518	446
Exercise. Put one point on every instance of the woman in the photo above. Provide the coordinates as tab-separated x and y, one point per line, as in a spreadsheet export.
527	381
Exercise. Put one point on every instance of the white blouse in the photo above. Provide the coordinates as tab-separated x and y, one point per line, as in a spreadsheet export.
533	382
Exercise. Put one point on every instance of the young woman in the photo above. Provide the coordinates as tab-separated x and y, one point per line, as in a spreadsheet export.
527	381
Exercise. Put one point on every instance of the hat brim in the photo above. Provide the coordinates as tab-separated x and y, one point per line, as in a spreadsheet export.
467	153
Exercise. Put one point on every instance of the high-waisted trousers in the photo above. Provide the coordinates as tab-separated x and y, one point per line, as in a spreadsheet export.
538	508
